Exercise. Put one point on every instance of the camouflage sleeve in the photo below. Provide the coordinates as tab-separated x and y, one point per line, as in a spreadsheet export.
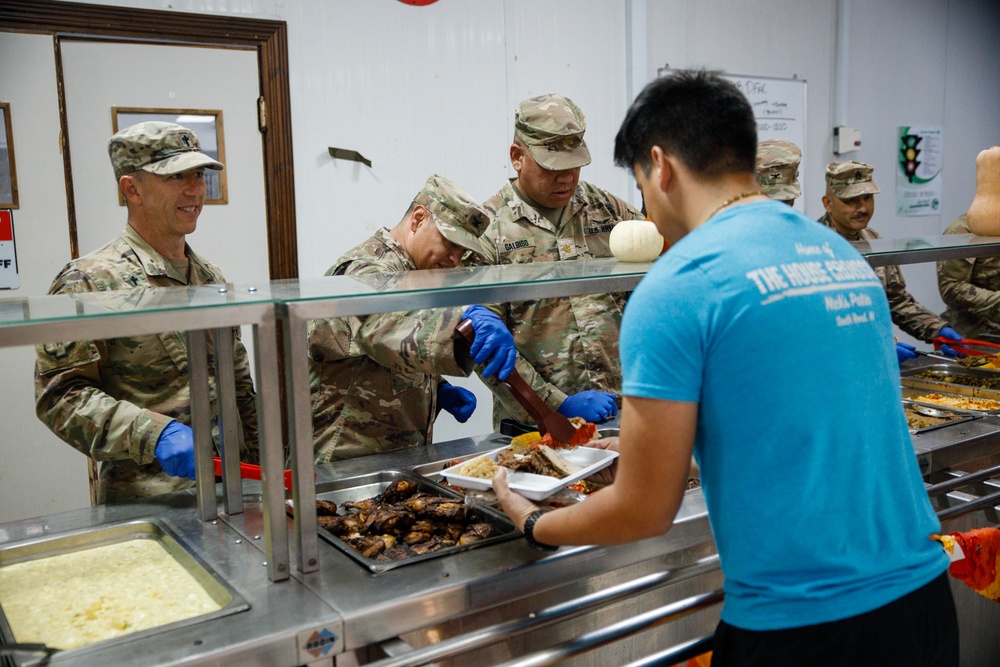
420	341
907	314
958	292
69	399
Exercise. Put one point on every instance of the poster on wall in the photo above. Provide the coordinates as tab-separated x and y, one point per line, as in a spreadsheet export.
8	253
918	175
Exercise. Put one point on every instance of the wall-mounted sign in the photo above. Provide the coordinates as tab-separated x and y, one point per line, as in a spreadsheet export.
8	253
918	174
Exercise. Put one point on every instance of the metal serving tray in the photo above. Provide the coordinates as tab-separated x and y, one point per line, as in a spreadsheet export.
367	486
957	416
153	529
914	393
939	383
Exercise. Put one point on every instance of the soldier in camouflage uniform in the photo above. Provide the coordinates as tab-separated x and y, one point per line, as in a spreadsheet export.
850	204
568	347
970	287
376	380
125	402
778	169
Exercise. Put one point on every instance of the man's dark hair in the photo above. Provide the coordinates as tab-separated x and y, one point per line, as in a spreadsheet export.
696	115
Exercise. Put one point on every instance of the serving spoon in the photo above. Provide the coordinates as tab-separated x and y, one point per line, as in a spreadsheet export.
931	412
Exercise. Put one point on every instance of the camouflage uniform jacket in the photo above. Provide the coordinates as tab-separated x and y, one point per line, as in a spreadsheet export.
111	399
374	378
907	314
970	287
570	343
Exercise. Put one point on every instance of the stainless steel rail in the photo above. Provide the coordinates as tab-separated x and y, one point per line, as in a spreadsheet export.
963	480
598	638
989	500
564	611
676	654
919	249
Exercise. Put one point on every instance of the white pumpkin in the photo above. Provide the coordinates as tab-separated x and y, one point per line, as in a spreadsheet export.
636	241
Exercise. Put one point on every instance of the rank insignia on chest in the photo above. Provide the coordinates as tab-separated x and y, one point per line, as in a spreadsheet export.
58	350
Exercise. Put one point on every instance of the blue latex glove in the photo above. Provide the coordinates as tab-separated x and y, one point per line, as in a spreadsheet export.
905	351
494	343
458	401
594	406
950	334
175	450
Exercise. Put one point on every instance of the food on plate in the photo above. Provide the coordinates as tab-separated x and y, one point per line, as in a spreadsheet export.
403	522
585	432
482	467
541	460
960	402
74	599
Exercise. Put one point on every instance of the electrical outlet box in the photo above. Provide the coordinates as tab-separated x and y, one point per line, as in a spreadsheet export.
845	139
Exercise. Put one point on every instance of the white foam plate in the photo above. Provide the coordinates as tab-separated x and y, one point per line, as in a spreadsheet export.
530	485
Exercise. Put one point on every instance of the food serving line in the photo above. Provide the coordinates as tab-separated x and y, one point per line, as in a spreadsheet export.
501	599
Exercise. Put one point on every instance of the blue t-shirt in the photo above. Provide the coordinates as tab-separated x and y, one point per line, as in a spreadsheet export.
781	332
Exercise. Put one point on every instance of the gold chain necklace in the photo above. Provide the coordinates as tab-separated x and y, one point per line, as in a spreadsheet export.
729	202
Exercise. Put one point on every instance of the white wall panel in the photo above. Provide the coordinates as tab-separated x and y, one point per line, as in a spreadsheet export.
40	473
576	48
778	38
416	90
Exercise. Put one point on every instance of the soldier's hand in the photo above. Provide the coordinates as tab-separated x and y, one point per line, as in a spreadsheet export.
493	345
594	406
905	351
458	401
175	450
950	334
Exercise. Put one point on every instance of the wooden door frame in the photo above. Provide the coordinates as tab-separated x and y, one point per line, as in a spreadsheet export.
269	38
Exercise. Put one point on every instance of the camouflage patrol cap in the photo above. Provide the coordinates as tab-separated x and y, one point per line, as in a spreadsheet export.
552	128
459	217
850	179
157	147
778	169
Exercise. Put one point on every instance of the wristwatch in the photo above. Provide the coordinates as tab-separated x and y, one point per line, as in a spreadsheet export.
529	533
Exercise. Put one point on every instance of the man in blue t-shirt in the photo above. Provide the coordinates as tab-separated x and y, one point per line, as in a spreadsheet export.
812	486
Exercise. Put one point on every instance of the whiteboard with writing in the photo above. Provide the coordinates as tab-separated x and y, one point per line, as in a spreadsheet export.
779	105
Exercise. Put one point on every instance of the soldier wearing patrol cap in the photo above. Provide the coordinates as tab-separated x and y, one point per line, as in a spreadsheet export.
569	346
125	402
850	204
376	380
778	169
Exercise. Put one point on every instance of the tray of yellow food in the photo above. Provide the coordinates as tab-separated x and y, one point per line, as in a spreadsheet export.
953	401
85	589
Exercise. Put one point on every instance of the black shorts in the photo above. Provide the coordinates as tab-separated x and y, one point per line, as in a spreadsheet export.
917	630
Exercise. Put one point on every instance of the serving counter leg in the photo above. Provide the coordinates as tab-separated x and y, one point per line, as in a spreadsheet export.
229	420
201	424
271	449
301	439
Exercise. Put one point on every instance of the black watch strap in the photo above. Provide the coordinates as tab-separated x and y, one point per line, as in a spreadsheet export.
529	533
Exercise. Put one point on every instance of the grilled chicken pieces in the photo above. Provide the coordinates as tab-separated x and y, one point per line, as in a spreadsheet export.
401	523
